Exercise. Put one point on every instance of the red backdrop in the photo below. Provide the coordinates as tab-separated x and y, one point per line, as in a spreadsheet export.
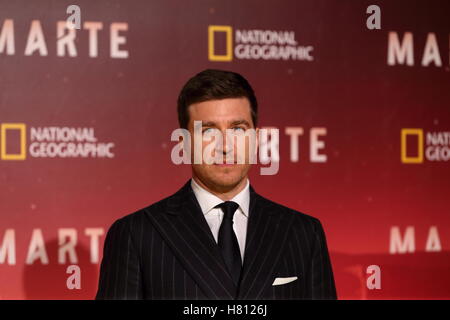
361	86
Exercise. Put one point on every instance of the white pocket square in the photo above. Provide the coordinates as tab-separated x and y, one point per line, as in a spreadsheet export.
280	281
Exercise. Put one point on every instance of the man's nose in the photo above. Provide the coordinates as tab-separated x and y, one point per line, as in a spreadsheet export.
227	144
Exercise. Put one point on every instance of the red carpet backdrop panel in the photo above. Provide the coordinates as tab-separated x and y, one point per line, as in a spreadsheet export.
359	91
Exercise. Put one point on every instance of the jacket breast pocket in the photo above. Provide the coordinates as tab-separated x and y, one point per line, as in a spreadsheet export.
279	281
286	287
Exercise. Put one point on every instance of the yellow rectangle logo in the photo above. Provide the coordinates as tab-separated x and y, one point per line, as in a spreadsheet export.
13	126
404	147
228	56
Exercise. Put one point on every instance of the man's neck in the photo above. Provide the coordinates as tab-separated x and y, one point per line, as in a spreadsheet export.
225	195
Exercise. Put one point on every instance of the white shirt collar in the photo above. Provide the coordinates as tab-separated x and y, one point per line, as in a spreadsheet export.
208	201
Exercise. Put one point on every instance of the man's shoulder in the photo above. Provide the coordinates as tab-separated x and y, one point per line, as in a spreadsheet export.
174	202
140	216
298	217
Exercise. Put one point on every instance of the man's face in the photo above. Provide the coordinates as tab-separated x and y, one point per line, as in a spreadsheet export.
218	116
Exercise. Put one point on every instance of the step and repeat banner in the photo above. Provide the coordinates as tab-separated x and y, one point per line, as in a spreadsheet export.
359	91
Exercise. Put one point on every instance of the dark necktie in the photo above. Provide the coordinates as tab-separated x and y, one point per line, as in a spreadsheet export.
227	241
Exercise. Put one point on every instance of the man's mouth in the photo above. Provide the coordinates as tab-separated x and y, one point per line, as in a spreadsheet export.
225	164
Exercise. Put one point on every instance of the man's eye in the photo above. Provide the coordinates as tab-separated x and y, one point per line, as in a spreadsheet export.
239	128
209	130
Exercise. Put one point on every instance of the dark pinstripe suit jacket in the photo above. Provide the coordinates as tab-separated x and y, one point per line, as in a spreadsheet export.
167	251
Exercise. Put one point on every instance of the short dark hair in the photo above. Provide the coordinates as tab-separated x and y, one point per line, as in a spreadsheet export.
213	84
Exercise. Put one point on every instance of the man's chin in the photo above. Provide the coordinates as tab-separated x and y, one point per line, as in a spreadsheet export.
225	183
225	165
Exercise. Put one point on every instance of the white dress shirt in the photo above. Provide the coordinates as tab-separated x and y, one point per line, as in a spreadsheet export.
214	216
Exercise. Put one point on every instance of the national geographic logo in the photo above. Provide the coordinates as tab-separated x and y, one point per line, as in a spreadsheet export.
417	145
21	128
256	45
50	142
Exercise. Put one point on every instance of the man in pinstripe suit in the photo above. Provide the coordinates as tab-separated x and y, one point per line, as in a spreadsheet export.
216	237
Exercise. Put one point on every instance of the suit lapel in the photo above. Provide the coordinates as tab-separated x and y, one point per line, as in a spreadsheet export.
186	231
267	232
183	226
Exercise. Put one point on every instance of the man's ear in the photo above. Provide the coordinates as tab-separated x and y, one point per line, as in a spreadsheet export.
257	140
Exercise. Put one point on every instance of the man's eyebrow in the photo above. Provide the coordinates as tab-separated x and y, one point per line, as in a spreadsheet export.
241	121
233	122
208	124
